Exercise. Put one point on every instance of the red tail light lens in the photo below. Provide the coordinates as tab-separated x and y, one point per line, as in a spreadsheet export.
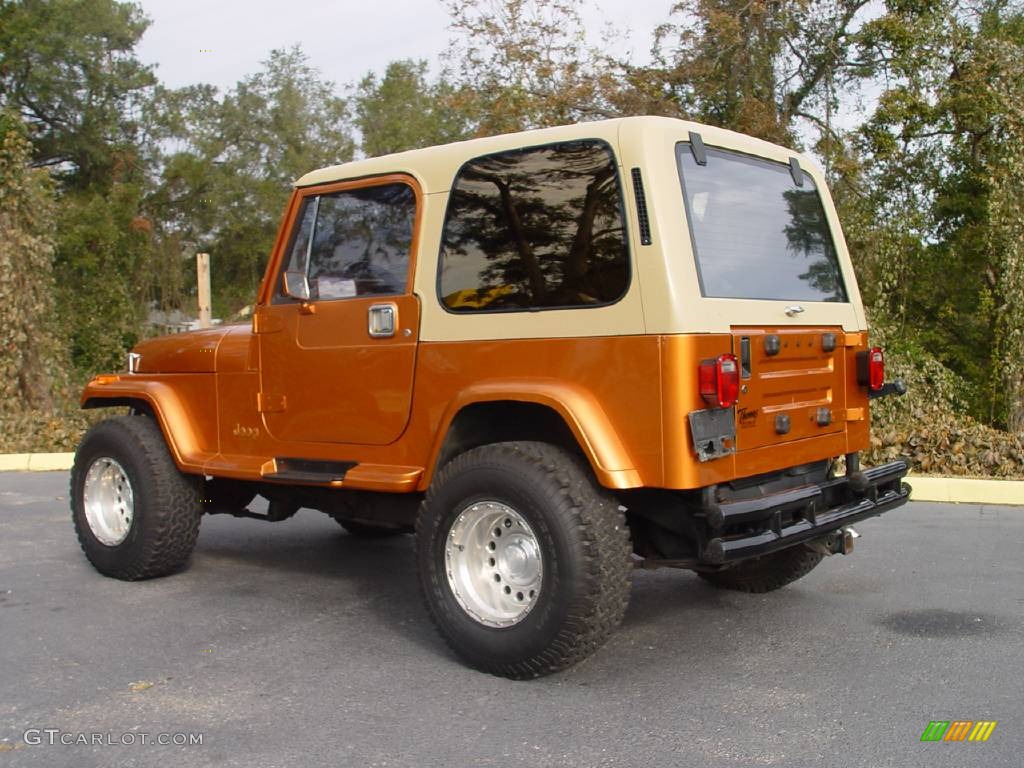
876	368
720	380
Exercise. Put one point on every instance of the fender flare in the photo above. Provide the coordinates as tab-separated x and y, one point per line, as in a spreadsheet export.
167	407
578	408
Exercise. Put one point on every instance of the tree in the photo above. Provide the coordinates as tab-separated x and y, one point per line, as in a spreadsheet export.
225	185
761	68
101	266
944	148
404	110
522	64
69	69
31	355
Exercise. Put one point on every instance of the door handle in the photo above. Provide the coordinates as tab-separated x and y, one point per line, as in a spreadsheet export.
382	319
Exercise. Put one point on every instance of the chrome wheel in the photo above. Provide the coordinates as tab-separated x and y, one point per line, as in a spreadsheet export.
108	500
494	564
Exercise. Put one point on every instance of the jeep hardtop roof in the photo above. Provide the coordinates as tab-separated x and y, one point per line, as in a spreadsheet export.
435	167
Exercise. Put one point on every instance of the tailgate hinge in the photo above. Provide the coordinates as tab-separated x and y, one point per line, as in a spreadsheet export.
859	339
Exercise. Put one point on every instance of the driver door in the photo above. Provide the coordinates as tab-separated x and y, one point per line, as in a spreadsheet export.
338	336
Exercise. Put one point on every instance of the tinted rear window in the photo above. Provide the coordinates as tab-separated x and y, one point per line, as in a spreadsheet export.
535	228
756	234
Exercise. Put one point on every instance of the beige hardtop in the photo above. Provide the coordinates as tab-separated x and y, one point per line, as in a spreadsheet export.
664	296
435	167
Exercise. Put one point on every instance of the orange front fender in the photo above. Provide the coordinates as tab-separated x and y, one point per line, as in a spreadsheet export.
184	406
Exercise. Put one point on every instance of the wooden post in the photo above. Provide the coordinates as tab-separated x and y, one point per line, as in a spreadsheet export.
203	286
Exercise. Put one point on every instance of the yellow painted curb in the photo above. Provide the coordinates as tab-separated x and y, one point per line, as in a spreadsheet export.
50	462
14	462
962	490
35	462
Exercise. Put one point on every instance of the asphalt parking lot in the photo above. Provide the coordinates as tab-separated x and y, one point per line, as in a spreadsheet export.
296	644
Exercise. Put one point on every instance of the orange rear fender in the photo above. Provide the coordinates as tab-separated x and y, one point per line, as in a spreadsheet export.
578	408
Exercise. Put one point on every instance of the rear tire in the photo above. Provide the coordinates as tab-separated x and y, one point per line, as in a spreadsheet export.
768	572
135	514
524	560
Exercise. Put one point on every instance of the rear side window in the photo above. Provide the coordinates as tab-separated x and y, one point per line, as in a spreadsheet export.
355	242
533	229
756	234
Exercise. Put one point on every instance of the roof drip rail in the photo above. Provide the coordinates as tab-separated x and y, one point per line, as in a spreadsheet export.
697	148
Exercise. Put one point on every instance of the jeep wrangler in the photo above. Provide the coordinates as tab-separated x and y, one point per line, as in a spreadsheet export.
555	355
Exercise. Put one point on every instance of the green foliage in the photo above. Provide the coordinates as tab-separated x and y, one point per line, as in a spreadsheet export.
31	352
930	425
69	69
31	430
404	110
943	148
521	64
100	267
761	68
225	186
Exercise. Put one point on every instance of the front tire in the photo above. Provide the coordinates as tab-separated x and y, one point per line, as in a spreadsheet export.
136	515
523	559
768	572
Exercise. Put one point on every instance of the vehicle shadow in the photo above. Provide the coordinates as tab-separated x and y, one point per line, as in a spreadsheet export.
310	557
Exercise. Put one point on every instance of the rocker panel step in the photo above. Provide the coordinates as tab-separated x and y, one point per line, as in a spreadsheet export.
309	470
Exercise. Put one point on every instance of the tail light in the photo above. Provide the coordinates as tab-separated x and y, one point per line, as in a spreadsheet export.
720	381
871	368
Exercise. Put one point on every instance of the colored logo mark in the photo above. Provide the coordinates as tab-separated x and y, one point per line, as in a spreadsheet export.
958	730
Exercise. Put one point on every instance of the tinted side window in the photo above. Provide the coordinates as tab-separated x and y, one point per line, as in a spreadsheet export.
535	228
355	242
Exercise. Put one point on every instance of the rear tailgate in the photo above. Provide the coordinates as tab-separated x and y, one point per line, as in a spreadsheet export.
792	384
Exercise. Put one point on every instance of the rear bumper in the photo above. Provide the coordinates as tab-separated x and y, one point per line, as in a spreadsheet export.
752	527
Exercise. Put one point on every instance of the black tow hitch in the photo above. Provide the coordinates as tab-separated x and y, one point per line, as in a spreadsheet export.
836	543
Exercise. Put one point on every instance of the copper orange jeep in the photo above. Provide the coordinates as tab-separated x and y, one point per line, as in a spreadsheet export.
556	355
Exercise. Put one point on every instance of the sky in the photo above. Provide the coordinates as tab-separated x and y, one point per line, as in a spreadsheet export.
199	41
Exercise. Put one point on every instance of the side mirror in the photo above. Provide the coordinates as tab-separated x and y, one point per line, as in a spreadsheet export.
296	285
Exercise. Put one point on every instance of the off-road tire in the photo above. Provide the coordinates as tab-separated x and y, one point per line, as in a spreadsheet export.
768	572
585	550
368	531
167	505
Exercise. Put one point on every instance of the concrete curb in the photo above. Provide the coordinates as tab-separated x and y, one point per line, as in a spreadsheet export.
963	490
959	490
35	462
